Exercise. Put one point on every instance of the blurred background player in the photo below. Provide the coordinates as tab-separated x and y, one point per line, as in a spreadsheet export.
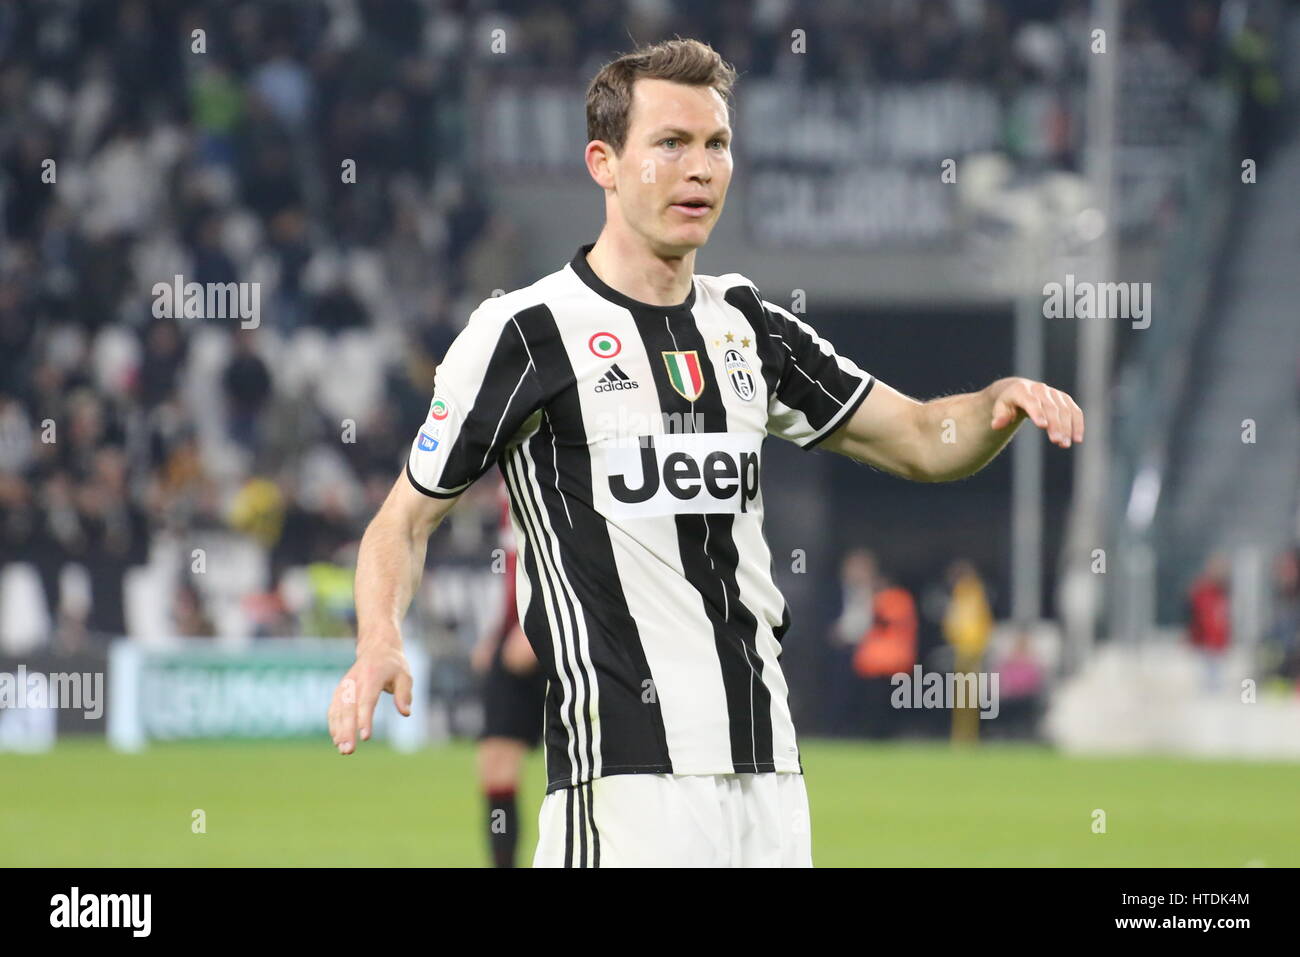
886	648
514	690
967	627
1209	627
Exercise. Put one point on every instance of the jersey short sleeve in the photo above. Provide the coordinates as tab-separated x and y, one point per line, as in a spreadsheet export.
816	389
485	389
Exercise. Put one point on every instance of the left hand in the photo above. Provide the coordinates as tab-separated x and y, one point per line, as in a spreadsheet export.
1050	409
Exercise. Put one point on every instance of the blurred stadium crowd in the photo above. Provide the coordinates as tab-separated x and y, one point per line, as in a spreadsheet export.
119	430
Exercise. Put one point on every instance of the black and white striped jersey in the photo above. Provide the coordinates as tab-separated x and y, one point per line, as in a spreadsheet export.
630	437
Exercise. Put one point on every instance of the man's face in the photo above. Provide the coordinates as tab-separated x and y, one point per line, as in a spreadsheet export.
671	178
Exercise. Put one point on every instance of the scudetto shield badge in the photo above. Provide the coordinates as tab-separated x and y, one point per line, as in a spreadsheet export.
685	374
739	373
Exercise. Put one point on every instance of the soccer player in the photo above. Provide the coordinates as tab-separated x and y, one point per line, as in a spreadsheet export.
514	691
626	400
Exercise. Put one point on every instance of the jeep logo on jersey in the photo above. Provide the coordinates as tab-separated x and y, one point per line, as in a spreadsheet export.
685	374
605	345
682	474
740	374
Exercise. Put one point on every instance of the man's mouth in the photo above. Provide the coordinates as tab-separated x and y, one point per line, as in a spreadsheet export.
694	208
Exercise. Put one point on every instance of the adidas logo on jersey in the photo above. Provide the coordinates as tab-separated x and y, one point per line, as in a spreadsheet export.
616	380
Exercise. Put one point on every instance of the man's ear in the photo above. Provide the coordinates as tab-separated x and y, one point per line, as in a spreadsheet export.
600	159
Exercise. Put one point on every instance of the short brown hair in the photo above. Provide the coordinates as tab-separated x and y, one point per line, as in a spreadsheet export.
609	97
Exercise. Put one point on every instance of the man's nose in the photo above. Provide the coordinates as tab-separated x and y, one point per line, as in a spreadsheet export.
701	169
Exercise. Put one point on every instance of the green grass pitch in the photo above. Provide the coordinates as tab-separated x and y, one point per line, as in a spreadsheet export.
299	804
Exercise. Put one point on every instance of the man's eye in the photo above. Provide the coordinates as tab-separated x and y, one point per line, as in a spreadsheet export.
718	143
669	142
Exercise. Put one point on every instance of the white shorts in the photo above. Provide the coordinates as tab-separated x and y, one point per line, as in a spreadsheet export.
665	820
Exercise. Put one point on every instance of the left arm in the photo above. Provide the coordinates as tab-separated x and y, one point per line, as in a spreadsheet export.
955	436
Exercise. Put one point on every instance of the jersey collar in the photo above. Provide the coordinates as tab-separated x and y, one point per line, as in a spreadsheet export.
587	275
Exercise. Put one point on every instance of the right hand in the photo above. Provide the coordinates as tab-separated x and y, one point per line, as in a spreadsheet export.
377	668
